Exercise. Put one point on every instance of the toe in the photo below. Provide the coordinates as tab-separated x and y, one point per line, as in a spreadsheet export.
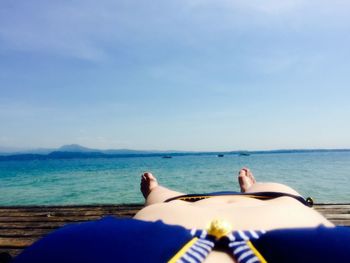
242	172
251	176
148	175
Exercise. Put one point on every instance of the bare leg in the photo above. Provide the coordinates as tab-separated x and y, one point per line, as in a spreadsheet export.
153	192
248	184
240	211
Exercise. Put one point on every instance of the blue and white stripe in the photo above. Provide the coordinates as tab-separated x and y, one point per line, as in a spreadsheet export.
239	247
197	252
236	243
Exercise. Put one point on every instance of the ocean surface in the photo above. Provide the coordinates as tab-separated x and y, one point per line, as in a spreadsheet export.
325	176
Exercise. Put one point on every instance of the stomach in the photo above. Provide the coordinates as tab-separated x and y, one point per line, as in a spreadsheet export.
241	212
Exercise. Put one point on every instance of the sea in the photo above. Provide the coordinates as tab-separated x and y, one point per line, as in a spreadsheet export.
324	176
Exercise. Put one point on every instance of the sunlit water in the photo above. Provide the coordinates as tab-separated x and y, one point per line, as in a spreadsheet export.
324	176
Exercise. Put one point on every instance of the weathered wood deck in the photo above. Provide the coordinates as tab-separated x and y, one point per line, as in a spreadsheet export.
21	226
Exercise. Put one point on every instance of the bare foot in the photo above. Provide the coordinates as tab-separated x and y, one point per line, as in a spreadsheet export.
148	183
245	179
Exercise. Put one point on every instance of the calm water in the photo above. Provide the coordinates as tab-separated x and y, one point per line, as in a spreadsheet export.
324	176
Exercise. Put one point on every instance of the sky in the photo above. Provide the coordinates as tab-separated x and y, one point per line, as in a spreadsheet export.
200	75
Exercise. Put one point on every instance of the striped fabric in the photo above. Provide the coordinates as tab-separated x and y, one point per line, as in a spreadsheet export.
197	252
241	247
237	243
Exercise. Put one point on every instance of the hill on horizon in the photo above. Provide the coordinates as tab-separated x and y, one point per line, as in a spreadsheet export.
76	148
79	149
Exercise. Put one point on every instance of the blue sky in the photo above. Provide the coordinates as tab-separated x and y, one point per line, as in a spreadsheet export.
182	75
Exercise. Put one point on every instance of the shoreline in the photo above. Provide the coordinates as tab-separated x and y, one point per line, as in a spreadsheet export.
99	154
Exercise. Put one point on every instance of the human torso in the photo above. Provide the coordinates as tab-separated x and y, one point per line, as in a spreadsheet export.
241	212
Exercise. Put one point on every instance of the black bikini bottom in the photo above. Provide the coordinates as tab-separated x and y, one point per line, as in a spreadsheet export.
258	195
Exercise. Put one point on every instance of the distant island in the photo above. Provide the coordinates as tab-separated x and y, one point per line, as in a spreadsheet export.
75	151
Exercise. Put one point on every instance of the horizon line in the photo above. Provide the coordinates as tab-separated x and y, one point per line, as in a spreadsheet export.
19	150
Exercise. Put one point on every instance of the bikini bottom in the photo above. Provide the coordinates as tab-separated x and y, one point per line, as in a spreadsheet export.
258	195
130	240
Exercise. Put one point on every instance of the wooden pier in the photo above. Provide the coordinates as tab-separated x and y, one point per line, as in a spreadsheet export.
21	226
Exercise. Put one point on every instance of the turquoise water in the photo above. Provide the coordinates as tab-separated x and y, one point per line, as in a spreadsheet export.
324	176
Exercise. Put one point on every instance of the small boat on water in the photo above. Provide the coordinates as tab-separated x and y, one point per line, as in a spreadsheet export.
221	155
243	154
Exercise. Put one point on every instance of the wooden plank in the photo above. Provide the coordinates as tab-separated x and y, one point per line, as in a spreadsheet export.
30	225
329	206
64	209
336	211
60	214
48	219
337	216
340	222
68	212
345	209
13	232
14	242
70	208
41	224
333	211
